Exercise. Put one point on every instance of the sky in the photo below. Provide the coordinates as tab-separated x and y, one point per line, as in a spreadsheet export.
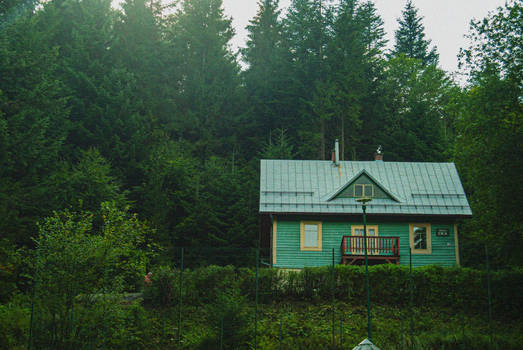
446	21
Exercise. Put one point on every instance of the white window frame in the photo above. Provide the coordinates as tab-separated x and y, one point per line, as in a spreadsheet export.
318	247
427	226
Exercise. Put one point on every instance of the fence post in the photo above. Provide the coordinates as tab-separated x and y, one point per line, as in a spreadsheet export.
333	307
402	332
411	298
71	332
105	302
256	301
280	332
31	322
463	329
180	299
341	333
489	299
163	328
221	334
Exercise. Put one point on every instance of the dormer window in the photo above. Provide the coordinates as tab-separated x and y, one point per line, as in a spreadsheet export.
363	190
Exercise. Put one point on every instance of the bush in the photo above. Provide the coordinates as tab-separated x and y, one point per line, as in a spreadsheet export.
161	290
458	288
228	312
14	323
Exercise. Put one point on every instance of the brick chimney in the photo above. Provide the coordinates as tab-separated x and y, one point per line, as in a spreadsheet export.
378	156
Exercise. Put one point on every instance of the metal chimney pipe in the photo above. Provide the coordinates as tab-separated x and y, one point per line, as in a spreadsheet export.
337	153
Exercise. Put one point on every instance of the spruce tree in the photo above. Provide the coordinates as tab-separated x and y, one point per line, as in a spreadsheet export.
33	128
410	37
307	30
210	86
372	103
264	77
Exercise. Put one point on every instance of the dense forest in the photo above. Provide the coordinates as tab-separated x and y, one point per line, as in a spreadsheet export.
147	106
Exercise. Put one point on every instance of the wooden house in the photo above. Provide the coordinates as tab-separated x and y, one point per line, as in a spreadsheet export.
309	210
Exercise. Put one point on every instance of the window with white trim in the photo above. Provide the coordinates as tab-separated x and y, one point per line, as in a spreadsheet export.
310	235
420	238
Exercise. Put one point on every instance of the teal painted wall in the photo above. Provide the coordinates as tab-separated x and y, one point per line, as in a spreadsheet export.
289	255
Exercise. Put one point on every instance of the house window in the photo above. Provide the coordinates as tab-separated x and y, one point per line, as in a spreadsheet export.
420	238
310	235
363	190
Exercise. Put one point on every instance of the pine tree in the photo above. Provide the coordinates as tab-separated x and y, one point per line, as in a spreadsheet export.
264	77
372	103
372	31
346	58
209	90
410	37
33	127
413	129
307	30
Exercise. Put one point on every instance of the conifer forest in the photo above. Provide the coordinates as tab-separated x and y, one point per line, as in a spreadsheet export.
128	131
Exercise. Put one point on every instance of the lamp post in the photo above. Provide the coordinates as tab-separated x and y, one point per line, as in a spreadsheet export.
363	201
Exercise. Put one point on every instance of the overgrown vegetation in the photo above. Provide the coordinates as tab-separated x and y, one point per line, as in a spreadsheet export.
449	309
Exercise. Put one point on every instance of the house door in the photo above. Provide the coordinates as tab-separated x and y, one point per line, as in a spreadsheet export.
357	243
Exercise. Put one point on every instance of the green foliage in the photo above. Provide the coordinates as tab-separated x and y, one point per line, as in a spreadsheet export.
161	291
14	322
13	269
146	105
410	38
74	260
489	129
278	147
88	183
458	288
228	315
414	114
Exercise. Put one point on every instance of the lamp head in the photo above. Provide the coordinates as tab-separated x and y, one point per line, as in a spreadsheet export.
363	200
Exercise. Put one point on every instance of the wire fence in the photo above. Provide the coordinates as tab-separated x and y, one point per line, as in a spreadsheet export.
200	301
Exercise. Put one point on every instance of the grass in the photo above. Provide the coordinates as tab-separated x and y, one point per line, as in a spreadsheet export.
306	325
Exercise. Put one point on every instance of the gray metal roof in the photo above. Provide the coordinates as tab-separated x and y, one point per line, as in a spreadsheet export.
308	186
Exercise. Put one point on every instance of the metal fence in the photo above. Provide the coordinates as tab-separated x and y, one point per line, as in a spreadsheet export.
253	315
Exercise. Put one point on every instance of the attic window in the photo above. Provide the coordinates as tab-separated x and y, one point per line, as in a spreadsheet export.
363	190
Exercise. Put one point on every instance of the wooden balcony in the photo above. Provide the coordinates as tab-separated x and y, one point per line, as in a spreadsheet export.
379	250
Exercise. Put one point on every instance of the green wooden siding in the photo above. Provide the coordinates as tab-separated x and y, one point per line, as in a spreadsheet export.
289	255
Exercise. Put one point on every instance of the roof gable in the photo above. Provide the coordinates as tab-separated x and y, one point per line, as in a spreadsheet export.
363	177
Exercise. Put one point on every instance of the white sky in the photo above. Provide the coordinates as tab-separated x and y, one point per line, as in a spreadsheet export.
446	21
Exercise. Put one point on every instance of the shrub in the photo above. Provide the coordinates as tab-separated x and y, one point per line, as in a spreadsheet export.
228	312
459	288
161	290
14	323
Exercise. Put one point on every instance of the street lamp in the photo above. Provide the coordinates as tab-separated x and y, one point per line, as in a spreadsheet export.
363	201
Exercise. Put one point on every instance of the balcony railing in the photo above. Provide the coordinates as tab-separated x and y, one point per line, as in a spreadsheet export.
376	246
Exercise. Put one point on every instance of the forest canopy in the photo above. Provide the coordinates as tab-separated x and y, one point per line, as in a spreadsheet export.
146	106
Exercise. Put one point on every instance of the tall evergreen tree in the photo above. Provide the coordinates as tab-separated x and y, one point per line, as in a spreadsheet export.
414	129
307	31
410	37
264	77
373	105
210	86
346	65
33	127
